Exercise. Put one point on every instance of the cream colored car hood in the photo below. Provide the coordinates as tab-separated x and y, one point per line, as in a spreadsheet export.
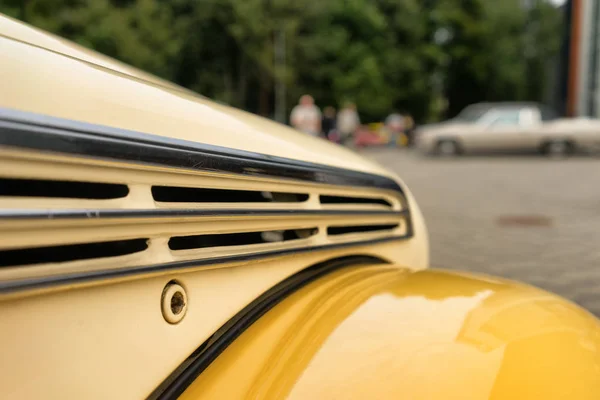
48	75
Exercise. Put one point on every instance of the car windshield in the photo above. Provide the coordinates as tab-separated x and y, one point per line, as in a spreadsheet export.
471	114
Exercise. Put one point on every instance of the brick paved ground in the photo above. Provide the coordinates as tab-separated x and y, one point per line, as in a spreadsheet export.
463	198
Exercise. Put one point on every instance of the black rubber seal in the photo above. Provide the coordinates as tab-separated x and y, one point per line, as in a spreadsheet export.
208	351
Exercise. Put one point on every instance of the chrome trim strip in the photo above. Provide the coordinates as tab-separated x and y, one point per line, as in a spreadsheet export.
17	285
29	214
45	133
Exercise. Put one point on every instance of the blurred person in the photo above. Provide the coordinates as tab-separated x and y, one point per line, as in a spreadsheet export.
347	122
328	123
395	122
306	116
409	130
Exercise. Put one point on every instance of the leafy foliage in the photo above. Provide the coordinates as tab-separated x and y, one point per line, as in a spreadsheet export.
384	55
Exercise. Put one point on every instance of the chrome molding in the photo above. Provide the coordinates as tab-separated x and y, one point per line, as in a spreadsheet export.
82	277
75	214
44	133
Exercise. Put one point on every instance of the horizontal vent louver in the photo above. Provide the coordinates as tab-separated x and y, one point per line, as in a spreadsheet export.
173	194
79	204
72	252
324	199
238	239
341	230
61	189
161	216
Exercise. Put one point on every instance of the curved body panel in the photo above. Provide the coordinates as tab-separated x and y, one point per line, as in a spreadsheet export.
385	332
47	75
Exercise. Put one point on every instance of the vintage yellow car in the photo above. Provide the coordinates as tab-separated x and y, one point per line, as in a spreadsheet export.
154	244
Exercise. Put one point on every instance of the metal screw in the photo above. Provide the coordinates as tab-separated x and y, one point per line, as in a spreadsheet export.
174	302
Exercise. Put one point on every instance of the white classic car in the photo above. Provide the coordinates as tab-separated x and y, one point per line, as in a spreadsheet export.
509	127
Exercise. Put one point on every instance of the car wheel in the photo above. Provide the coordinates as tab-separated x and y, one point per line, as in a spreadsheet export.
447	148
557	148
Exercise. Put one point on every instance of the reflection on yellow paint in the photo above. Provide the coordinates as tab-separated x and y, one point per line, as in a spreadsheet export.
382	332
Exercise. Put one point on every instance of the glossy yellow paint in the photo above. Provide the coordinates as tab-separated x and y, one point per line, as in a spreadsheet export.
384	332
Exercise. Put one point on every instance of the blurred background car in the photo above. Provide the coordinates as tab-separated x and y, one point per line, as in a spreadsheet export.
509	127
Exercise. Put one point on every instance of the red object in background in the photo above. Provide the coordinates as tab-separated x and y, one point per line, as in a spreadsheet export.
364	137
334	136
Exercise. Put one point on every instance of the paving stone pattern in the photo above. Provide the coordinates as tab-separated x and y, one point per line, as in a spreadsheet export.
528	218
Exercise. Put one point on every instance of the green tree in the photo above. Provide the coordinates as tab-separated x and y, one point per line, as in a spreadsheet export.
384	55
142	33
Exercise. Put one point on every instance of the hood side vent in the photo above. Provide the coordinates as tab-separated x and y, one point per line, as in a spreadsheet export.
342	230
324	199
90	203
239	239
174	194
71	252
61	189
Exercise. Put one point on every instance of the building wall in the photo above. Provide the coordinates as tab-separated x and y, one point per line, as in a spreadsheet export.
583	73
588	74
560	96
594	83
